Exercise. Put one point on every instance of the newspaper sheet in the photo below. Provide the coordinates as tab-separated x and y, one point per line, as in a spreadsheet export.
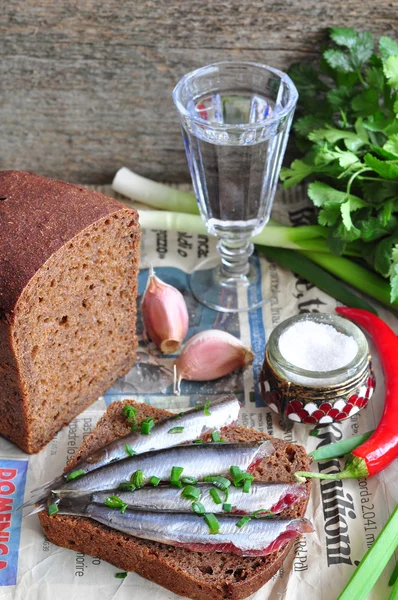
347	515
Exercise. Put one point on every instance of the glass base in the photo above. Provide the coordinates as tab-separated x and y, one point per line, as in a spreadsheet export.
227	294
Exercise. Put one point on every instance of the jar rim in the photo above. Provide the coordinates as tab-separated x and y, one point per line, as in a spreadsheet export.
339	323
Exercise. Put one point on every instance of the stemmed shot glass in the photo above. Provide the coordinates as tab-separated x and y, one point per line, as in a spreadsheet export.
235	119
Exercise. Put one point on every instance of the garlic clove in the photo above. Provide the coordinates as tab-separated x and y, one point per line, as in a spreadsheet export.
209	355
165	314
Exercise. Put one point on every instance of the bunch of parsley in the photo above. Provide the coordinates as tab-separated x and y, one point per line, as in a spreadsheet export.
347	129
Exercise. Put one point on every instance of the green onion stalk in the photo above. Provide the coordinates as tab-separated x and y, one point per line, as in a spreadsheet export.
178	211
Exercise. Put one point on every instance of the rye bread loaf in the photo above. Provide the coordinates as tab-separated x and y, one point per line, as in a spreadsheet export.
196	575
69	260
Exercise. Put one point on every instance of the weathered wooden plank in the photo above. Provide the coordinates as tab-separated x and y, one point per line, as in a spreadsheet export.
85	86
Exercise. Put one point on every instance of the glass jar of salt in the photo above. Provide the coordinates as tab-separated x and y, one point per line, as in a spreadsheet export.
317	369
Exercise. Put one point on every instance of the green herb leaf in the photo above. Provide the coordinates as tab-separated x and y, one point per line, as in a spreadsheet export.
387	47
338	60
366	103
384	169
176	430
352	140
75	474
344	36
391	146
298	171
394	274
390	69
383	255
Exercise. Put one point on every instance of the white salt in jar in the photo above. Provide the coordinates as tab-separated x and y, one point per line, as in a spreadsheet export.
317	369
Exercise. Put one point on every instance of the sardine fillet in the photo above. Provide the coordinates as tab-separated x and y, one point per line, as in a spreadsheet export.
196	575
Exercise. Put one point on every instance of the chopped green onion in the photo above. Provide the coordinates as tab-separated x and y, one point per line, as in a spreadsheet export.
75	474
241	477
190	492
227	507
130	413
340	448
215	436
129	450
198	442
198	508
127	486
121	575
206	408
176	430
116	502
176	473
214	494
53	509
213	524
261	513
154	480
247	485
243	521
373	563
147	425
355	275
134	428
179	416
222	483
235	471
310	237
138	479
226	491
189	480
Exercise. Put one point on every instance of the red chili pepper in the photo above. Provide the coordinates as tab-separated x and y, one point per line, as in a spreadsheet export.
381	448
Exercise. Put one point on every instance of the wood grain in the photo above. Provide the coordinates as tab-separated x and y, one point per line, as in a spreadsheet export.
85	86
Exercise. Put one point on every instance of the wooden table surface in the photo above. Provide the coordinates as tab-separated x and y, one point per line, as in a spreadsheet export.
85	85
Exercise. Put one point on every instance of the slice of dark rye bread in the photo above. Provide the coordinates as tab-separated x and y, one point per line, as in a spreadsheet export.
196	575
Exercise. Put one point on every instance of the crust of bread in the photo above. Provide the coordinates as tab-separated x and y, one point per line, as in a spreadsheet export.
195	575
69	259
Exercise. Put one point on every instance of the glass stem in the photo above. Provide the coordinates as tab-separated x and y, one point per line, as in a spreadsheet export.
235	254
